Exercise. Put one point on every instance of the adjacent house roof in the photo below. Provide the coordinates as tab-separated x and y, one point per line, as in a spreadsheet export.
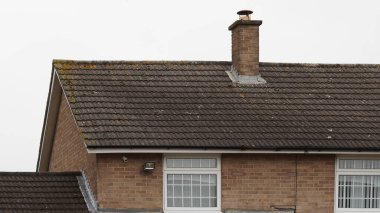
196	105
41	192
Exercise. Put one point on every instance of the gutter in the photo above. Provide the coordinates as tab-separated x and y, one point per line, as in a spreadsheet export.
97	150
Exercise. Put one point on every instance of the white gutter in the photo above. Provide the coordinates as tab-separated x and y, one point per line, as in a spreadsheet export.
209	151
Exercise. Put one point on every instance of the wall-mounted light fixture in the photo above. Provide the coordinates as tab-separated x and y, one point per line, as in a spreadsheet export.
149	166
125	159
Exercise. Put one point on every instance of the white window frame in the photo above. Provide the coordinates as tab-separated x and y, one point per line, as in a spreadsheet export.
216	171
353	172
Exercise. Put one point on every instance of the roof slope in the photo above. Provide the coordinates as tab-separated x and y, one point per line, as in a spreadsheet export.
195	104
40	192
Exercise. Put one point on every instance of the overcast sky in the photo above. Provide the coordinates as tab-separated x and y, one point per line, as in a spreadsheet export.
32	33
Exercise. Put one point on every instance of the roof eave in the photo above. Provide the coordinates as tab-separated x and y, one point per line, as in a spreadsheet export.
304	150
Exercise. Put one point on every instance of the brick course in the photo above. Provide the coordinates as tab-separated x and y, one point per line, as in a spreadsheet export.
69	152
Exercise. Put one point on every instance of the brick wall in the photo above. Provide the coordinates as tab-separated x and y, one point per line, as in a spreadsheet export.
316	179
263	182
245	49
126	185
251	181
69	152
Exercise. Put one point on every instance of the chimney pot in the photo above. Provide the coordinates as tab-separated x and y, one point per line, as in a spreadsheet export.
245	15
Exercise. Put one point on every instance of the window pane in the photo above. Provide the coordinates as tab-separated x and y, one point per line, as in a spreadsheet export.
213	163
205	191
177	202
170	190
213	179
177	191
169	163
196	202
358	191
186	163
177	163
205	188
205	163
195	163
191	163
359	164
170	179
186	191
205	179
186	179
195	179
205	202
192	190
170	202
177	179
196	191
212	191
213	202
186	202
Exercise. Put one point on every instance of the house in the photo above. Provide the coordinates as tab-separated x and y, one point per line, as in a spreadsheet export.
237	136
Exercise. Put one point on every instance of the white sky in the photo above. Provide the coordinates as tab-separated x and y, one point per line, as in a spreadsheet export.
32	33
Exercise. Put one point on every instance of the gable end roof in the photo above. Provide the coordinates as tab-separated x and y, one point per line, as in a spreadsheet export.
195	105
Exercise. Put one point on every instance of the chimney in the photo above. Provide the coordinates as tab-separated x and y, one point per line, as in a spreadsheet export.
245	50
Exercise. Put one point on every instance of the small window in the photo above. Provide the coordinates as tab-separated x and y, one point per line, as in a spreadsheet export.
358	185
192	183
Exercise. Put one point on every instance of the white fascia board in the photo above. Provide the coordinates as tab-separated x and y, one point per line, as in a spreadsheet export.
218	151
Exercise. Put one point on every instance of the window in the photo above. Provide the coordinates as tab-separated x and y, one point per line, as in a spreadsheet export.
192	183
358	185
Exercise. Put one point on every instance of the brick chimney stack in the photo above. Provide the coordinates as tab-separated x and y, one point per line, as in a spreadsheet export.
245	49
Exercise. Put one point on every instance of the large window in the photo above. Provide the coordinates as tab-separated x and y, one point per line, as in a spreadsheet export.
358	185
192	183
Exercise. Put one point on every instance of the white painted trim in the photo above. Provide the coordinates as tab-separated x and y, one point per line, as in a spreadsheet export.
216	171
219	151
50	122
352	172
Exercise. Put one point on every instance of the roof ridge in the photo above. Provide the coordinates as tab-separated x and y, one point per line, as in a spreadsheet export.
143	62
200	62
326	65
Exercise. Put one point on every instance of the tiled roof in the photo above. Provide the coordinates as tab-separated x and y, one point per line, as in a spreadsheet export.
195	104
40	192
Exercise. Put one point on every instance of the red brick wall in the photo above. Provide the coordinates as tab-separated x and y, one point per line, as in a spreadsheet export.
316	175
262	182
257	182
126	185
69	152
